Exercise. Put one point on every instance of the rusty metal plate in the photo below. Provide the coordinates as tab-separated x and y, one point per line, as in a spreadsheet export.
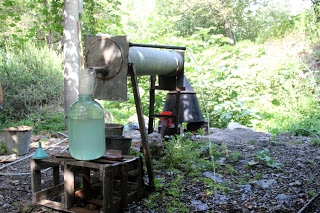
109	56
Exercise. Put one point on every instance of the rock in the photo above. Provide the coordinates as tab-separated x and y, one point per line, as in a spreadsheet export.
245	188
156	143
265	184
215	177
134	122
285	199
6	205
199	206
8	158
108	117
234	125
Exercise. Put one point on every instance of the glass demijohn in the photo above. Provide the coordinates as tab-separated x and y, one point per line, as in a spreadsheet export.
86	122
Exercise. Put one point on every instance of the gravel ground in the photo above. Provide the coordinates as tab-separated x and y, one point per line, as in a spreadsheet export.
259	188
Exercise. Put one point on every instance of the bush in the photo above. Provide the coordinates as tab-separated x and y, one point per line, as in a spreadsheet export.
31	78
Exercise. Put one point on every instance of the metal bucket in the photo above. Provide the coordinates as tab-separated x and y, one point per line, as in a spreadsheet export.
119	143
113	129
17	139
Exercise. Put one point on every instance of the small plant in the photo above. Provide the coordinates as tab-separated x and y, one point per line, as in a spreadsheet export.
312	193
213	186
200	131
158	183
242	181
234	156
264	156
28	208
150	202
230	170
3	149
252	141
296	142
258	176
314	142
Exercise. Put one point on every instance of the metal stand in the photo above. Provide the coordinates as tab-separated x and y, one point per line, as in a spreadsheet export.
175	113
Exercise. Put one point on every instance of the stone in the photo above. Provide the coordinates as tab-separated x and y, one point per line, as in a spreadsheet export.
156	143
215	177
199	206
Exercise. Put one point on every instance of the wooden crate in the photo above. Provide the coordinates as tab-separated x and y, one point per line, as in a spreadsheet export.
106	184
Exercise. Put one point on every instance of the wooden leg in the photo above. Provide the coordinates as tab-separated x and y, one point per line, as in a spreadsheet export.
86	182
35	180
68	187
107	182
55	174
124	185
140	178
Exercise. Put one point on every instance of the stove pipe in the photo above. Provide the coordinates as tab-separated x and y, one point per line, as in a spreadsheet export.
190	110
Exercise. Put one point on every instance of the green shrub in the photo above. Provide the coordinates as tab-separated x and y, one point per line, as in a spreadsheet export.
31	79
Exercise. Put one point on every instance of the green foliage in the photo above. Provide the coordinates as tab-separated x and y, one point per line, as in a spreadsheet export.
31	79
235	79
234	156
314	142
42	21
3	148
312	193
230	170
101	16
183	154
264	156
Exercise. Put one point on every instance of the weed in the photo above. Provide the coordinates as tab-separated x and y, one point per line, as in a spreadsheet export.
266	159
16	203
312	193
150	202
158	183
27	208
3	148
230	170
252	141
258	176
314	142
296	142
234	156
242	181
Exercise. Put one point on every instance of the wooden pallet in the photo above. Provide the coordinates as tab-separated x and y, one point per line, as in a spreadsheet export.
108	183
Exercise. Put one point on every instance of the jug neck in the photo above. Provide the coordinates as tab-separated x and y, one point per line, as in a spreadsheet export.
86	97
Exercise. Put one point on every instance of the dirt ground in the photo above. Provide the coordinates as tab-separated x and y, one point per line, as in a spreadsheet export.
286	179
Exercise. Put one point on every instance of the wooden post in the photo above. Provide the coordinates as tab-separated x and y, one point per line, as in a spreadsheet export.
68	186
124	185
143	132
107	191
55	174
35	180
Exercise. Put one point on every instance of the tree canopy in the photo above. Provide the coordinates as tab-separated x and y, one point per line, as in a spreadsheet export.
228	58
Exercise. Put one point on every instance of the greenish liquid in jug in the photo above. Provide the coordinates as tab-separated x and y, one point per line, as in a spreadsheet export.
85	137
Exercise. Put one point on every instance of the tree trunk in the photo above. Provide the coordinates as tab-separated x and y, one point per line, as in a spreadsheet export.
50	39
71	54
227	27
